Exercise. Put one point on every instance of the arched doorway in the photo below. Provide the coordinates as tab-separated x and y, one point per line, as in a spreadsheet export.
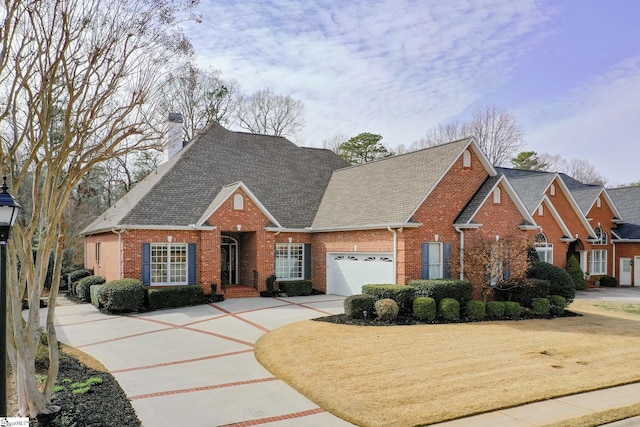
575	249
229	260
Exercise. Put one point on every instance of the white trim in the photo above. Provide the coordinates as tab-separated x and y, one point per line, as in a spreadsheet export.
573	204
556	216
153	227
345	228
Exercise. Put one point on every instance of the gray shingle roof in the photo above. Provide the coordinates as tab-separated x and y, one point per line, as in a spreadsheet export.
288	180
529	185
477	200
386	191
627	200
628	231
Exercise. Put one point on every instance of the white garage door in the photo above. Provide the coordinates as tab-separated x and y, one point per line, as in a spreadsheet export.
347	272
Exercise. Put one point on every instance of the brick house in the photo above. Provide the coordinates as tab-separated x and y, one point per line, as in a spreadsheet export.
232	208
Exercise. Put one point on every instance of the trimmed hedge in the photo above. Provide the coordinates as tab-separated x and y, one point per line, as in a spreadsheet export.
476	310
76	275
294	288
386	309
95	295
449	309
512	309
439	289
122	295
561	283
608	281
403	295
424	309
495	309
359	306
540	306
175	296
557	304
522	290
83	286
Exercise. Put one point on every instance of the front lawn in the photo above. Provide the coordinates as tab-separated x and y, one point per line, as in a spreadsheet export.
422	374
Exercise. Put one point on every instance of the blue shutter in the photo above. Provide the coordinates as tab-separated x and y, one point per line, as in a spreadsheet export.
446	262
425	260
306	272
191	266
146	263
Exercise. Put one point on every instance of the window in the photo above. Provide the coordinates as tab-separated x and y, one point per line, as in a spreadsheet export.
497	195
436	258
238	202
541	210
543	248
168	263
466	159
552	190
598	262
98	250
289	261
598	202
601	236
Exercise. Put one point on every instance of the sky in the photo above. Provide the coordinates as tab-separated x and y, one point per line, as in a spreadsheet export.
568	70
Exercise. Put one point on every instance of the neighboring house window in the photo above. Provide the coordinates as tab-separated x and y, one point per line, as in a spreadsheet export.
544	248
598	262
497	195
436	257
169	263
541	210
238	202
601	236
552	190
98	256
289	261
466	159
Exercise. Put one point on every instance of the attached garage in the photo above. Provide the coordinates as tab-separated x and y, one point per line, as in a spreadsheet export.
347	272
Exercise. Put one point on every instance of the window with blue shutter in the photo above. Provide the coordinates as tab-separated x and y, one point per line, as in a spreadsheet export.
146	263
169	263
436	260
191	260
307	261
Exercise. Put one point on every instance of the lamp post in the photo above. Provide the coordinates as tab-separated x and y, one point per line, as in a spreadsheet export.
9	209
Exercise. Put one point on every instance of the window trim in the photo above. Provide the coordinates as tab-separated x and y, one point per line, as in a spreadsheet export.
497	195
602	262
168	246
466	159
238	202
602	236
98	249
301	259
542	246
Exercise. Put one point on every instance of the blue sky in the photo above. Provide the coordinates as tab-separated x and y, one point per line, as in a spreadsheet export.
568	70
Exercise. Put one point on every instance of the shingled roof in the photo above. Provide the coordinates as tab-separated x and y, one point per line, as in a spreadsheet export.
288	180
530	185
627	201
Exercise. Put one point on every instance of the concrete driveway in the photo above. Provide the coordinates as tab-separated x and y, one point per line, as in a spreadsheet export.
195	366
629	294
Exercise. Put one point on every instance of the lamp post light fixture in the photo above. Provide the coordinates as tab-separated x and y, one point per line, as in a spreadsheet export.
9	210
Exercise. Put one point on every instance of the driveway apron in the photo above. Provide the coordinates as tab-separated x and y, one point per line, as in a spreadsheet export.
194	366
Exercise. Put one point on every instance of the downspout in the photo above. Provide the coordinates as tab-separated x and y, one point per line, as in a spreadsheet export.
395	253
461	231
120	261
614	258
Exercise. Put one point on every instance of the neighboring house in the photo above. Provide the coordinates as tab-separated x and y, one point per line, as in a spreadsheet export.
626	236
233	208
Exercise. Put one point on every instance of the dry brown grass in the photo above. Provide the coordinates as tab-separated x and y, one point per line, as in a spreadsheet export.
412	375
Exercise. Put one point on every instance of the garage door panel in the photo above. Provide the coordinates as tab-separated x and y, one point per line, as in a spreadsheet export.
347	272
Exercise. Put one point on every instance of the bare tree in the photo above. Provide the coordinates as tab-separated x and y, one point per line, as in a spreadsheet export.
585	172
77	87
553	162
268	113
201	96
334	142
441	135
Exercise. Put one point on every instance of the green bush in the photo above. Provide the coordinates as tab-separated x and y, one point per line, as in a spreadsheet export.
270	282
575	272
359	306
76	275
401	294
522	290
608	281
122	295
438	289
561	283
540	306
386	309
294	288
42	351
476	310
175	296
83	286
449	309
95	295
495	309
557	304
424	309
512	309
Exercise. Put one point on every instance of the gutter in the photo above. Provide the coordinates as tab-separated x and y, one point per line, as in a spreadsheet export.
151	227
461	231
345	228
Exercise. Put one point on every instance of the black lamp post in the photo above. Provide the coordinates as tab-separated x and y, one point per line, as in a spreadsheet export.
9	209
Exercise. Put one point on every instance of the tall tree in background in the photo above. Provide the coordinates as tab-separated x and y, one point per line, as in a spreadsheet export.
268	113
578	169
201	96
528	160
364	148
77	87
334	142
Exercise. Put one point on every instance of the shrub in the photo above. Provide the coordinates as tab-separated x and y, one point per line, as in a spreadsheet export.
359	306
476	310
42	351
401	294
608	281
561	283
386	309
557	304
83	286
294	288
522	290
495	309
424	309
540	306
575	272
175	296
270	281
122	295
443	288
95	295
76	275
214	288
512	309
449	309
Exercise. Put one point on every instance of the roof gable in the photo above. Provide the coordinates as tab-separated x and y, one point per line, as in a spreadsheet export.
627	203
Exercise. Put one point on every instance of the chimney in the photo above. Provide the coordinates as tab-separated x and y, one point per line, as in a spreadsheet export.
174	134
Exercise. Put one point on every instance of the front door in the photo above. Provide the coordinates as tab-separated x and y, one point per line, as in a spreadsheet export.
625	271
636	271
229	260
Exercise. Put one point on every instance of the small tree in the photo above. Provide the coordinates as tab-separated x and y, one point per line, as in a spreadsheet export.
363	148
576	273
